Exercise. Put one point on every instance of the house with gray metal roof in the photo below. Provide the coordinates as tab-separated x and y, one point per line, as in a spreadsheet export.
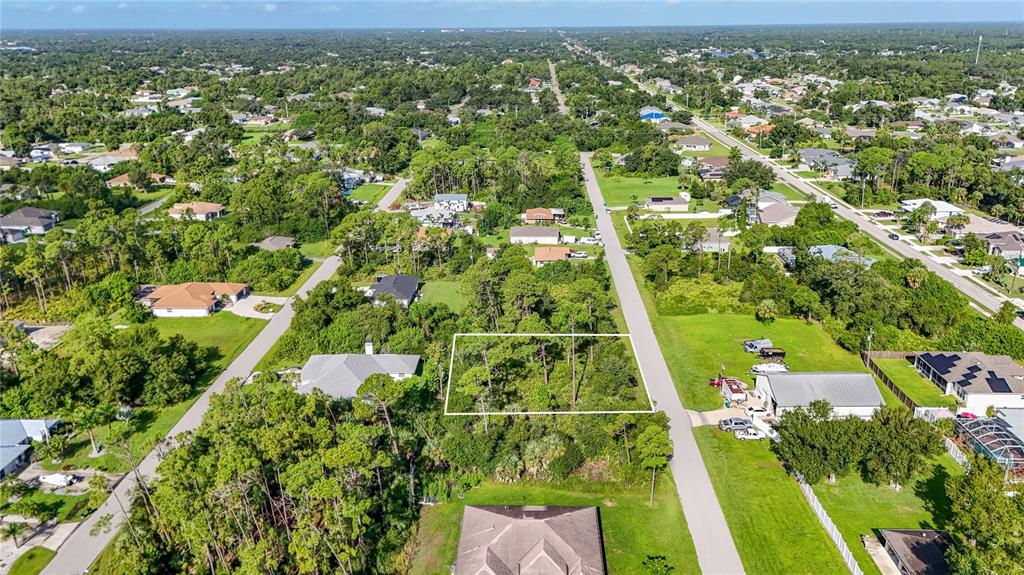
850	394
16	437
341	375
534	235
538	540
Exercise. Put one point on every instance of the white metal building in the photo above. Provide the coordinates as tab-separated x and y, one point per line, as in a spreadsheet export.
850	394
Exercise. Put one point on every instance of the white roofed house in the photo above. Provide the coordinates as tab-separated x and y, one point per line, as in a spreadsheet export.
534	235
452	202
16	437
943	209
341	375
849	394
694	144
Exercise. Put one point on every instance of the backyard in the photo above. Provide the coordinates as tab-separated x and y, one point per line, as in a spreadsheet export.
787	191
371	193
446	292
317	250
632	530
772	524
920	390
623	190
860	508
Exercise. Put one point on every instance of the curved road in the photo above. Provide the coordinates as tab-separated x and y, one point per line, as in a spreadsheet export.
79	551
716	552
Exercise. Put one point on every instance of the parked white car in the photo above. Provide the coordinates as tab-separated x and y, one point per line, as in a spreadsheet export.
755	411
749	433
58	479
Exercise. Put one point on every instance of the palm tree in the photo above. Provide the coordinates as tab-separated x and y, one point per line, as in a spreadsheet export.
957	222
12	531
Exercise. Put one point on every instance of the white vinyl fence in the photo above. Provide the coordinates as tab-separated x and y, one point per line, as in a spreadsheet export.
830	527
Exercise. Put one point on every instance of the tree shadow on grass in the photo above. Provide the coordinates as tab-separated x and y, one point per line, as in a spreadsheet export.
932	491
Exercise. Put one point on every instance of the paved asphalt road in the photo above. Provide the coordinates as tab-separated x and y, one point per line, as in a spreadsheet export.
80	549
392	195
556	89
153	205
981	296
716	551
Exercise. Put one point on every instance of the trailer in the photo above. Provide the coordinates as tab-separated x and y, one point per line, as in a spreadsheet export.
772	353
756	345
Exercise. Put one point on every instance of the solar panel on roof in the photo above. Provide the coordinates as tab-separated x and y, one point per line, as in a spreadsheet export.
996	383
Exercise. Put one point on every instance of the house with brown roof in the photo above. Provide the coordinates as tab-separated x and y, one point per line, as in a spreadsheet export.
712	168
192	299
543	215
125	180
199	211
538	540
543	255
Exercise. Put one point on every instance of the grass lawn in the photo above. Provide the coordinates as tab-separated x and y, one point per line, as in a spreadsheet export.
154	194
371	193
446	292
808	174
321	249
704	205
787	191
619	190
32	561
860	508
921	391
631	529
224	331
773	525
65	507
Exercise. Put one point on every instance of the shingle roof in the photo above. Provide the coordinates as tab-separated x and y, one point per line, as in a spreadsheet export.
341	375
838	388
402	286
977	372
28	216
507	540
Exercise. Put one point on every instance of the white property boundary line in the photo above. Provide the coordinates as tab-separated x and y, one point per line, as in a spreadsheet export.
451	366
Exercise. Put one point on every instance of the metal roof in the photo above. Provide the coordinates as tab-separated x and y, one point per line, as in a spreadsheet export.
841	389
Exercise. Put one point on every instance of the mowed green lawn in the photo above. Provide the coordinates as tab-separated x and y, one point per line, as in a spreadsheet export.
32	561
621	190
921	391
371	193
770	520
321	249
787	191
717	149
632	530
65	508
858	508
446	292
224	332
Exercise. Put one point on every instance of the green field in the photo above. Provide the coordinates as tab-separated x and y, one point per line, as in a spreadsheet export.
621	190
446	292
371	193
225	332
808	174
317	250
770	520
860	508
787	191
65	508
921	391
631	529
32	562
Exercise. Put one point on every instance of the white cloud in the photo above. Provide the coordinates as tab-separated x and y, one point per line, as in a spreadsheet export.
270	7
122	6
51	8
78	9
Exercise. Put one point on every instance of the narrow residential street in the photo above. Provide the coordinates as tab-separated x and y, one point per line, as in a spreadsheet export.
80	549
716	551
389	198
554	88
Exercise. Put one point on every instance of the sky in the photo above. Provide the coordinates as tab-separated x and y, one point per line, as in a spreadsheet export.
319	14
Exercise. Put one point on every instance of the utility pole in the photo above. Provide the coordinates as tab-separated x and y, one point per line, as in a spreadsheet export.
977	53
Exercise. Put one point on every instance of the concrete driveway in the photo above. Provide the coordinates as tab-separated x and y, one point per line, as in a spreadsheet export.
246	307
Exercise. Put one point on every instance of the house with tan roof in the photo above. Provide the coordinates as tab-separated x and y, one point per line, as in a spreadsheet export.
548	254
199	211
125	180
192	299
543	215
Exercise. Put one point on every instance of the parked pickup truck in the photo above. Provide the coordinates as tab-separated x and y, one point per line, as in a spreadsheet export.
748	434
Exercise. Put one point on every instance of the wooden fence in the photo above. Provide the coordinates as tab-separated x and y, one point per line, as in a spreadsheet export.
869	361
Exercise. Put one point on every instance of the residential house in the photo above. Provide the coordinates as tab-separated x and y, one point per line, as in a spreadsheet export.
547	254
680	203
16	437
858	134
537	540
141	111
74	147
403	288
716	242
917	551
712	168
778	214
8	162
274	243
1008	244
977	379
534	235
432	217
192	299
30	220
340	375
653	114
452	202
829	162
674	127
834	254
943	209
543	215
420	134
850	394
196	210
124	180
376	112
746	121
694	144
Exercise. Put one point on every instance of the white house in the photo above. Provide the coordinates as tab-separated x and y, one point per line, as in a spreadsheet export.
192	299
943	209
850	394
695	144
451	202
16	437
534	235
977	379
